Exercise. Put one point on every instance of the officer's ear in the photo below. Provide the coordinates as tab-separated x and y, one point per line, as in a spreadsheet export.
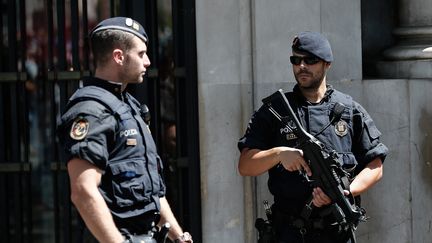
118	56
327	65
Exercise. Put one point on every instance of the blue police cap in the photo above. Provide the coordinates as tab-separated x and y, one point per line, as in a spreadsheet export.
313	43
122	23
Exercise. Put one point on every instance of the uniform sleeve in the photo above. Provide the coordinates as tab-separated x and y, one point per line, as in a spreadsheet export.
162	186
96	131
258	132
366	143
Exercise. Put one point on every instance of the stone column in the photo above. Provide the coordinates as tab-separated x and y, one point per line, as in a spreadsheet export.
411	57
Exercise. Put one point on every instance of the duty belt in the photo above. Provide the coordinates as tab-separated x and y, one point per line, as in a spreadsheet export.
140	239
282	218
155	236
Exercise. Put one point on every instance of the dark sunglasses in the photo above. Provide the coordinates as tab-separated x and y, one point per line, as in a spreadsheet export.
309	60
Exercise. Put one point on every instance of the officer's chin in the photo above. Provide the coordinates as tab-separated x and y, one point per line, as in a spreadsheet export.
141	79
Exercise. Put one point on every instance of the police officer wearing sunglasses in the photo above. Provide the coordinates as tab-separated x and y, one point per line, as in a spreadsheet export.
115	172
267	146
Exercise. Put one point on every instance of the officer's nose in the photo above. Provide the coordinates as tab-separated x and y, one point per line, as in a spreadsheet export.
302	64
146	61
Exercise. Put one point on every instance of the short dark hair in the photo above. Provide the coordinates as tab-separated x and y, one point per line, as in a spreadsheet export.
104	42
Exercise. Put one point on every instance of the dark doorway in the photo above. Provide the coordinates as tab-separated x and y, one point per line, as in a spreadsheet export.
378	20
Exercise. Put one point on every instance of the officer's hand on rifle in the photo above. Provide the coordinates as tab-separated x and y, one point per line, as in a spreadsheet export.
320	198
292	160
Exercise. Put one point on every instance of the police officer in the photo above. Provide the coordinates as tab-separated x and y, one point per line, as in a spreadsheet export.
115	172
268	145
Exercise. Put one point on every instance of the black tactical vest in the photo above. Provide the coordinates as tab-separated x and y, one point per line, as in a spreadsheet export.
290	187
132	181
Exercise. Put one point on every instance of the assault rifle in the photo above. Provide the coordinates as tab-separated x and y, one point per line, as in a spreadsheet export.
327	173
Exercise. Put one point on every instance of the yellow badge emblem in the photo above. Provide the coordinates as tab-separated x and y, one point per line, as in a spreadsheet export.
79	128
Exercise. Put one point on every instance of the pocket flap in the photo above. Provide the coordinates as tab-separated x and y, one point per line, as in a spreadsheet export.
130	168
372	129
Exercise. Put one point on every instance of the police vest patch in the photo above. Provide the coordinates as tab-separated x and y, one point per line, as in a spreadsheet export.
79	128
341	128
291	136
131	142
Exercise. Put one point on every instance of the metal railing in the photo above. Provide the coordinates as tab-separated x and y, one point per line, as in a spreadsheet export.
42	59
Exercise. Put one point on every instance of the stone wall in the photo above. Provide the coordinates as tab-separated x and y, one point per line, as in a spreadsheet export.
243	49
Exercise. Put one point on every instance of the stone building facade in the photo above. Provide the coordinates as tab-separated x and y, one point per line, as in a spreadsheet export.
382	59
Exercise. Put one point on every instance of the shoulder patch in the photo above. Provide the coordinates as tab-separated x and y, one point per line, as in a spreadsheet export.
79	128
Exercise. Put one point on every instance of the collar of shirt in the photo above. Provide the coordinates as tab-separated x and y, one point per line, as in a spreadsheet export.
105	84
302	100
